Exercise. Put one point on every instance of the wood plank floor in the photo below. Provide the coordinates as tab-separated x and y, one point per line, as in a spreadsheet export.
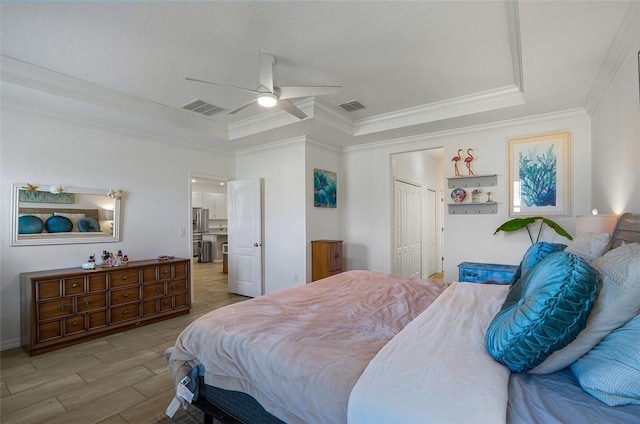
118	379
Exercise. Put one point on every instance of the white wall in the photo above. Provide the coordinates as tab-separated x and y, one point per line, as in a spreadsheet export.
153	174
467	238
615	126
322	223
282	168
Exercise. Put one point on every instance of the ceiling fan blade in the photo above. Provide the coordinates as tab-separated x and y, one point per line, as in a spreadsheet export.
238	109
222	85
310	91
287	106
265	79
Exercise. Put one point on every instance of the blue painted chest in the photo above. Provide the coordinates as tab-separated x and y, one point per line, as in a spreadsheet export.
476	272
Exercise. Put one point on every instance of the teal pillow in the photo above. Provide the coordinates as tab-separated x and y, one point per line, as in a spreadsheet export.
58	224
610	371
543	312
88	225
534	254
30	224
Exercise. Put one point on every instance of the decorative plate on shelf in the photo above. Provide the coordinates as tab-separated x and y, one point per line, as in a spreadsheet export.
458	195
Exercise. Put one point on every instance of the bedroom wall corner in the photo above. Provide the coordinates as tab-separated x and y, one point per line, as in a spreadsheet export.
615	127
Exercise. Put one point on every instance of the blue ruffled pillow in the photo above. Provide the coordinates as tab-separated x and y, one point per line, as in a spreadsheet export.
543	312
58	224
88	225
534	254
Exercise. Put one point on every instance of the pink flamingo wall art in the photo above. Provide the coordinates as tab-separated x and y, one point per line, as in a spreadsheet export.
455	161
468	160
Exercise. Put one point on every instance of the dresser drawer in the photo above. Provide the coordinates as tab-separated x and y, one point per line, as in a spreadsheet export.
124	278
73	286
176	286
48	331
119	297
477	272
149	274
180	300
166	303
74	324
92	301
48	289
164	272
97	282
123	313
181	270
152	290
97	319
55	309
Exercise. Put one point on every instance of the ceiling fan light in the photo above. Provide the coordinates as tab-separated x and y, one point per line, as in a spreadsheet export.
267	99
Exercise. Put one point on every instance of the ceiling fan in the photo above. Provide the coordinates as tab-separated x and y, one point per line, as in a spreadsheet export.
269	95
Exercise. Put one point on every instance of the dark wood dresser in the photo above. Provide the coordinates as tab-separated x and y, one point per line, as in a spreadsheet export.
326	258
61	307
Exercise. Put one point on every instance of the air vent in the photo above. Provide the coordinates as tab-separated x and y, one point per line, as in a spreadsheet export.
203	108
352	106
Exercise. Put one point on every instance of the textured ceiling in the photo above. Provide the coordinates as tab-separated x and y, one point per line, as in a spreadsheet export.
393	57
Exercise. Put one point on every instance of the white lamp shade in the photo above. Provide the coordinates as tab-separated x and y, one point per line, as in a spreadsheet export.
595	224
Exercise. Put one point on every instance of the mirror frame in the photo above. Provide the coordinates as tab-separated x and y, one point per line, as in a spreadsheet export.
63	238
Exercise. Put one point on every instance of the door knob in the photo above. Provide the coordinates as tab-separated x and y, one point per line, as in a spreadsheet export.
257	244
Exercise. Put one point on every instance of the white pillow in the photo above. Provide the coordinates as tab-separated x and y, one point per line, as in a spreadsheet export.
617	302
589	246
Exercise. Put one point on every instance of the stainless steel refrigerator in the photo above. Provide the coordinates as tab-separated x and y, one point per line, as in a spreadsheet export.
200	220
200	225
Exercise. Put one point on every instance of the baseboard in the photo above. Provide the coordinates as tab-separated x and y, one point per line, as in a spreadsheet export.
9	344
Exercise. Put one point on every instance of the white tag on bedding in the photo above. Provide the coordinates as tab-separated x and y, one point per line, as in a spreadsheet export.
184	393
173	407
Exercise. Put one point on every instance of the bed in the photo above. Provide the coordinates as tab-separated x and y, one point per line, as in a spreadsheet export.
366	347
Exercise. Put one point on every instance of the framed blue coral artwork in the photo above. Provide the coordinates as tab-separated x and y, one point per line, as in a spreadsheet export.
540	175
325	186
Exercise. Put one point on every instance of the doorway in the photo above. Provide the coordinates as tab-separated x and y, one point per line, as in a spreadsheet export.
424	223
207	211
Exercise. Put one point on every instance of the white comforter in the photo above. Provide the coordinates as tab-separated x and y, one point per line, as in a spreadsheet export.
436	370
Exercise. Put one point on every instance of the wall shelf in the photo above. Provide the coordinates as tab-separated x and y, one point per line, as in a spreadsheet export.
473	181
479	208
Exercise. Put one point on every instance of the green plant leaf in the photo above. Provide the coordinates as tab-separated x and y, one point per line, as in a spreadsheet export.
515	224
558	229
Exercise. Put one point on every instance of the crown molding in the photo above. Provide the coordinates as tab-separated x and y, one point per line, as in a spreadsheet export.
324	112
513	26
451	108
301	139
546	118
24	74
323	146
620	46
98	124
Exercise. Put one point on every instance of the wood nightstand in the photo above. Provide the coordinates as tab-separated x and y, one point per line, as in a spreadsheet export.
477	272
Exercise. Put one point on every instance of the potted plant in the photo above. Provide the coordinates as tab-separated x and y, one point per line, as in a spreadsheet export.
518	224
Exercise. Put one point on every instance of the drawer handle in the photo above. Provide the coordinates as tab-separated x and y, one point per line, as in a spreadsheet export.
166	302
124	277
86	302
125	312
74	285
74	323
173	286
125	295
165	272
158	289
336	256
62	307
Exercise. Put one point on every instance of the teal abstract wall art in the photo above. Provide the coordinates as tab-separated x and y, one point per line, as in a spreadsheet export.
539	175
325	189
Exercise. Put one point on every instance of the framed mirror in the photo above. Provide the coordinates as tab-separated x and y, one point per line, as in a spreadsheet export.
52	214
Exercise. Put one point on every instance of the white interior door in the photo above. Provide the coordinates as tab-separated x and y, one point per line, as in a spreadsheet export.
244	208
430	233
407	230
